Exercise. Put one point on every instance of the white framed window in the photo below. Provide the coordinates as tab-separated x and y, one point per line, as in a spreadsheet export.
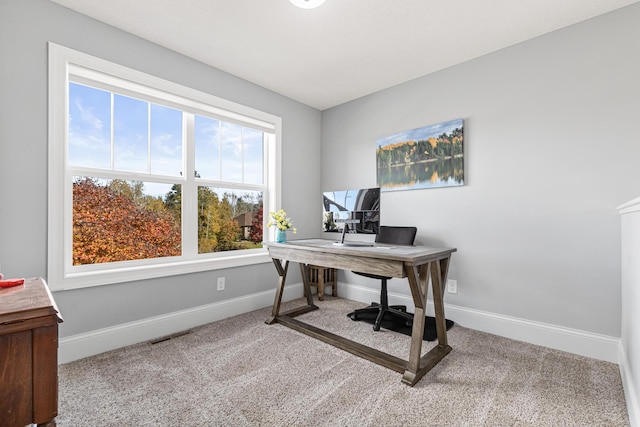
150	178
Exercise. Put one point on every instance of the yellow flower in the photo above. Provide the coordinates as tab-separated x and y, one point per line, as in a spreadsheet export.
280	220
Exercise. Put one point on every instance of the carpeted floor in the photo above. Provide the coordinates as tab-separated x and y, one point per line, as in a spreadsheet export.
242	372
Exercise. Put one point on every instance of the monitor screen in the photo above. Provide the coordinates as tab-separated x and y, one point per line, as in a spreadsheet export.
359	208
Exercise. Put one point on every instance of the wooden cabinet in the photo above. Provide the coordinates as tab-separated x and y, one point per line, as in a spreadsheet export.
28	355
321	276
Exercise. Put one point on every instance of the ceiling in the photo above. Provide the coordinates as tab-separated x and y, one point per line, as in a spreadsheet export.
344	49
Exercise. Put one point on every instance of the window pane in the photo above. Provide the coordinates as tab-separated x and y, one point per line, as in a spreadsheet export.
231	151
117	220
207	147
229	219
253	155
89	127
130	134
166	140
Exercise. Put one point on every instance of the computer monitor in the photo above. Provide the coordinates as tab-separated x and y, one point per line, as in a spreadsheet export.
359	208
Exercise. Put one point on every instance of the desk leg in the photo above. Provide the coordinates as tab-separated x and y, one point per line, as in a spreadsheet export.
418	284
438	281
304	271
282	275
418	366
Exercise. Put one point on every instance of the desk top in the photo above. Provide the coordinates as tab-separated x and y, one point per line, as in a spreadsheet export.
378	250
378	259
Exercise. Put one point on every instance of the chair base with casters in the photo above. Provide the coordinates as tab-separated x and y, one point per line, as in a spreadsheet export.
383	309
396	236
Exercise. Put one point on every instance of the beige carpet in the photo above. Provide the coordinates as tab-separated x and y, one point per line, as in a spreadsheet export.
242	372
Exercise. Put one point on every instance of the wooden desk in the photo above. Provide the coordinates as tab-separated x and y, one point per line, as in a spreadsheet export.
416	263
28	355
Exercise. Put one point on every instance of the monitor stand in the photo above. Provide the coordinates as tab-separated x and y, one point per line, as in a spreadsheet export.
343	243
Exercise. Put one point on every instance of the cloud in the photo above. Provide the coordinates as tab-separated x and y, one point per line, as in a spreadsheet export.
88	117
422	133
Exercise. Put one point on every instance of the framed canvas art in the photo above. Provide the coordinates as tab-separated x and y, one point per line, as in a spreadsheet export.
427	157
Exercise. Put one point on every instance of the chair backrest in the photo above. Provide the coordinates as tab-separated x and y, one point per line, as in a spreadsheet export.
396	235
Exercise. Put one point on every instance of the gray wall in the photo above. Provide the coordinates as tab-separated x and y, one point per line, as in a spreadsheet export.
25	28
551	149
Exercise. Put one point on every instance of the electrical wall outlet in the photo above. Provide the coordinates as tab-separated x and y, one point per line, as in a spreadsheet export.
452	286
221	283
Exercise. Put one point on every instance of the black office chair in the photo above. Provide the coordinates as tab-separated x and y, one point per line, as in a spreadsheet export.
395	236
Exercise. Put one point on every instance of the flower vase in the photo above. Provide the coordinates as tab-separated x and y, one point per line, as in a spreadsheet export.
281	236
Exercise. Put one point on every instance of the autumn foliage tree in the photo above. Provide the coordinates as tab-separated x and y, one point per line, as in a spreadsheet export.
255	235
110	224
117	221
445	146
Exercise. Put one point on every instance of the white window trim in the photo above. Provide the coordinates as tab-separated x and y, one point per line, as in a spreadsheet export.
61	275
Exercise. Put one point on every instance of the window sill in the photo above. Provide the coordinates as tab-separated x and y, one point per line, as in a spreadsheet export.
76	280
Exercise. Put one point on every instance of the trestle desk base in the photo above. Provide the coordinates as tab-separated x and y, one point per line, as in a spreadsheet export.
416	263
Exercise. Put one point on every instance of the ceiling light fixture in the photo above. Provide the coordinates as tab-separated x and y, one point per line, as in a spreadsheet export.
307	4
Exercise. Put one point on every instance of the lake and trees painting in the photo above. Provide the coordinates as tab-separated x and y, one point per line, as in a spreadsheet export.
426	157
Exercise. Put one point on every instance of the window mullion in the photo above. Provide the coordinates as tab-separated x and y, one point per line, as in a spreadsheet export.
113	157
189	189
242	151
148	137
219	150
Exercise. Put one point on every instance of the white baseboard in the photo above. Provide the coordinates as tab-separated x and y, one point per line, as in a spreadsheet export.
601	347
95	342
587	344
630	393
